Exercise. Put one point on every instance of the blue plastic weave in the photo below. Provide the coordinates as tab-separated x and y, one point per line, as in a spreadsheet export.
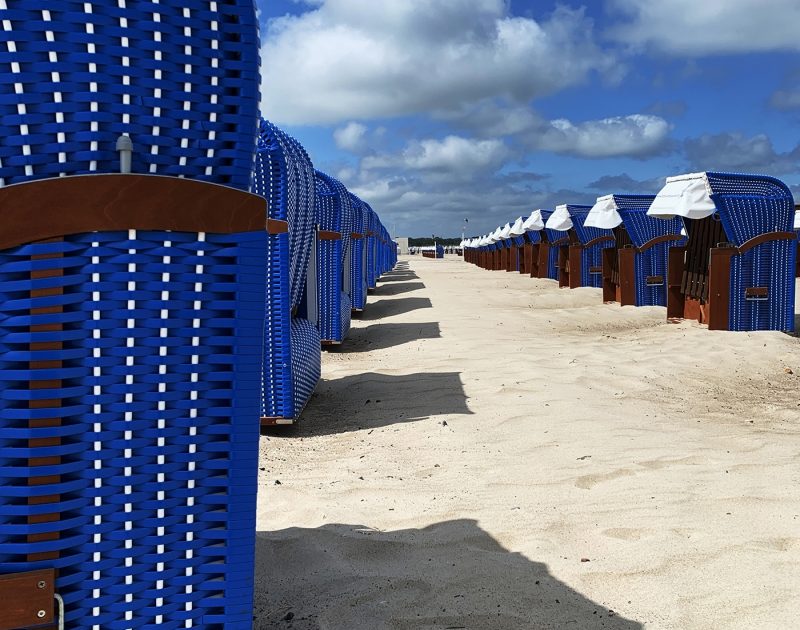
181	78
142	346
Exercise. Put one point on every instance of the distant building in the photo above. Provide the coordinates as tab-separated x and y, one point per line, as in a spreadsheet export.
402	244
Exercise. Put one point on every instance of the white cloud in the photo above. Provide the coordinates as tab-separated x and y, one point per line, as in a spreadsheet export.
637	135
350	137
362	59
453	155
737	152
689	27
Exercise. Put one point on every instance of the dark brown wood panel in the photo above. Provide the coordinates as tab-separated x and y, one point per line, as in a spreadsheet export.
50	208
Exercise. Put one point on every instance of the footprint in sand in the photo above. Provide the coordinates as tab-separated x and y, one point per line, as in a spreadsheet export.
588	481
625	533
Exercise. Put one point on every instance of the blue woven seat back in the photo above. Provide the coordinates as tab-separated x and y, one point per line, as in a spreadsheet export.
181	78
141	344
534	236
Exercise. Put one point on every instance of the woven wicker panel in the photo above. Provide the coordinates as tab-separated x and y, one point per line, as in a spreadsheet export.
128	359
181	78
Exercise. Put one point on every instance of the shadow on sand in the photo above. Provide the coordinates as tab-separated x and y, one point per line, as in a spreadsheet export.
395	288
449	575
372	400
381	336
390	307
400	273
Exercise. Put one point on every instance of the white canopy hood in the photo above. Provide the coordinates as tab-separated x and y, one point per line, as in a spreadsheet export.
560	219
505	232
604	214
517	229
535	222
687	196
797	220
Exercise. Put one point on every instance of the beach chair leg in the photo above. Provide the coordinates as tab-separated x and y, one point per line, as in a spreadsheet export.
719	290
575	254
627	277
609	288
676	299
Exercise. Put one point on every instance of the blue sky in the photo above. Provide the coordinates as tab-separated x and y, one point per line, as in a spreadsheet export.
437	110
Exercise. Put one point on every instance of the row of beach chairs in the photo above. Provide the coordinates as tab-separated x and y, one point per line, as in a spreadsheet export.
169	270
720	248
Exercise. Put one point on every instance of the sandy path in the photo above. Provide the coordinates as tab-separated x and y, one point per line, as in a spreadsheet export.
482	435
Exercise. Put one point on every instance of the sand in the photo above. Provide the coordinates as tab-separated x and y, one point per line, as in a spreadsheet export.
488	451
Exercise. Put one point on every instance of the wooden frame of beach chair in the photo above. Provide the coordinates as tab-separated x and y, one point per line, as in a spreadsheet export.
737	270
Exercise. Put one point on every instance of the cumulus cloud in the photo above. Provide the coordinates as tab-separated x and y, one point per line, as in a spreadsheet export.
350	137
736	152
361	59
785	99
456	156
637	135
688	27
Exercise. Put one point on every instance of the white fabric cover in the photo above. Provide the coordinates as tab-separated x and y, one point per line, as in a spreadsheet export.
559	220
797	220
687	196
505	232
517	229
604	214
535	222
494	236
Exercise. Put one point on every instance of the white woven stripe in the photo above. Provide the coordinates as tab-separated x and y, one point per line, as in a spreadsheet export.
19	90
212	116
97	446
91	49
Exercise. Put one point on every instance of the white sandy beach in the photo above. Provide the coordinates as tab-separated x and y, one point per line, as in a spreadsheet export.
488	451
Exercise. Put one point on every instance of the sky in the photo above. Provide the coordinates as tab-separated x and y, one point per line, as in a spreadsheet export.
437	111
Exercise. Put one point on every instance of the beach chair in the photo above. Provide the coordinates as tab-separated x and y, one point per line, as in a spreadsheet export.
291	368
580	258
532	233
504	245
334	216
635	269
371	241
737	269
131	313
550	248
358	257
517	235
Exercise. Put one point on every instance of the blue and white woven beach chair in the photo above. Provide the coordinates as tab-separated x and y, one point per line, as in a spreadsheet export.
131	313
532	227
580	260
737	269
635	270
335	222
285	177
550	248
358	257
132	310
